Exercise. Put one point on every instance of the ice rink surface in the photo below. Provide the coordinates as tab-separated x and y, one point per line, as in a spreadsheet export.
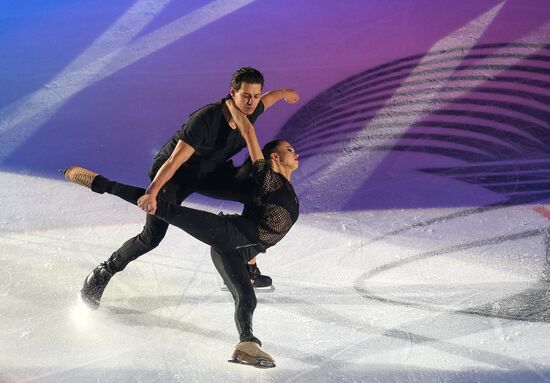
426	295
422	250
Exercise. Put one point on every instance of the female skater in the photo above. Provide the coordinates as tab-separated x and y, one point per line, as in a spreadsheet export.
268	215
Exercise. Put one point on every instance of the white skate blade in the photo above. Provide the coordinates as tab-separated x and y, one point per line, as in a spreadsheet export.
254	361
268	289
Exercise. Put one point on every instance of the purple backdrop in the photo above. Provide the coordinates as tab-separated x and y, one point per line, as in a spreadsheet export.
404	103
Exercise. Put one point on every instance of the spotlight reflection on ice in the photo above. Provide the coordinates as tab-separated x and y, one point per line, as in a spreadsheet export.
81	316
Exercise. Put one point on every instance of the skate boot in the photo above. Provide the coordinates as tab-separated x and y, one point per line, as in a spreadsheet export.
80	176
87	178
258	280
251	354
94	284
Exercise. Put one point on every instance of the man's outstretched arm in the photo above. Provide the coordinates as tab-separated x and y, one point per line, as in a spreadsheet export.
287	94
182	152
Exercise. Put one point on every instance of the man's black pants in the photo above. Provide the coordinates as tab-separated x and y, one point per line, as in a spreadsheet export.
230	248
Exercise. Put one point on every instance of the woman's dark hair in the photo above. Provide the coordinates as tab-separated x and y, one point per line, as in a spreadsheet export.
246	74
269	148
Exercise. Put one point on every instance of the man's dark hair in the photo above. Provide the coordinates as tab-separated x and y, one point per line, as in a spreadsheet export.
246	74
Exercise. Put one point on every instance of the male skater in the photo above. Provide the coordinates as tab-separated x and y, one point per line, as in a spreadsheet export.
193	160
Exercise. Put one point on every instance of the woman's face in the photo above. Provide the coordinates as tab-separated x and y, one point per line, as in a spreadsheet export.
286	156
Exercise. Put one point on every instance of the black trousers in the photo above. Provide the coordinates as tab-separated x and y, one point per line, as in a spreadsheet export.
219	184
230	248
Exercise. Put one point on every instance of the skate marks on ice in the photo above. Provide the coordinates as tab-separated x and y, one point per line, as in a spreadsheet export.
524	300
143	314
453	216
6	280
364	337
531	304
338	357
511	202
376	342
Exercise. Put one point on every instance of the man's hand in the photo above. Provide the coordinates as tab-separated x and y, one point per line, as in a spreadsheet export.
274	96
291	96
148	203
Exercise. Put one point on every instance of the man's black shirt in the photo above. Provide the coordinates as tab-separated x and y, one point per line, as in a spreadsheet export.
208	132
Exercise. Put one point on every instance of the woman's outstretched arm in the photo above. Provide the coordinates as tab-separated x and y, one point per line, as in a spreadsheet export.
247	130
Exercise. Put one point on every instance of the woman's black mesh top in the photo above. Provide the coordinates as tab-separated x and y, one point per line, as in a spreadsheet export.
272	210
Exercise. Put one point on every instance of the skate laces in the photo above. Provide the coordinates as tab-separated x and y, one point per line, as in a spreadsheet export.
80	176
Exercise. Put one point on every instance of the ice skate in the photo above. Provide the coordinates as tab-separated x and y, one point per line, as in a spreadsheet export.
250	353
80	176
259	281
94	285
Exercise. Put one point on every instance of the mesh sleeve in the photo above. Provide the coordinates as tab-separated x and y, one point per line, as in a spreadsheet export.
259	169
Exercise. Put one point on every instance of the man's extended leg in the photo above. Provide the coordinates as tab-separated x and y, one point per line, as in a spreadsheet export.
153	232
155	228
212	229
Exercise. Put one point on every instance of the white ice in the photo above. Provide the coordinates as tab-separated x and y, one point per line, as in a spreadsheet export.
456	301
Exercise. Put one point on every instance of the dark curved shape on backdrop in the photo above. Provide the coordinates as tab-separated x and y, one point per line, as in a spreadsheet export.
498	131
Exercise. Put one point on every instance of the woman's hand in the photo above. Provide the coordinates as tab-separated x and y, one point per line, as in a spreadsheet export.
235	112
239	117
148	203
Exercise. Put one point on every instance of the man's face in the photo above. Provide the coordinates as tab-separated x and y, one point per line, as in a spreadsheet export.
248	97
